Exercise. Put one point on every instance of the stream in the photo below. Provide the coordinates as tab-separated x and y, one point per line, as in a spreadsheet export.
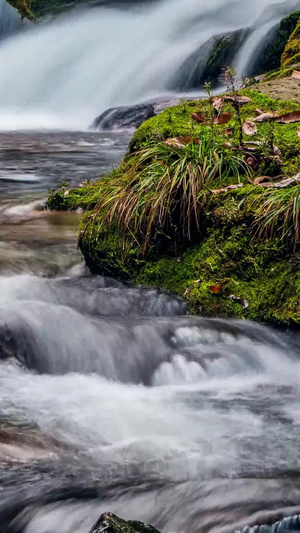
111	398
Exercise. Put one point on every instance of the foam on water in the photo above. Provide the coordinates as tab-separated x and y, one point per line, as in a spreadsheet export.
158	418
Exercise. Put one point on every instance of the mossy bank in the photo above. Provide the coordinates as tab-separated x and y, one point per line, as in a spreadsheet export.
235	264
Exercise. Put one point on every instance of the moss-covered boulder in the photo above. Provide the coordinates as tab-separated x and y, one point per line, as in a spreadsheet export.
238	263
36	9
291	55
270	56
110	523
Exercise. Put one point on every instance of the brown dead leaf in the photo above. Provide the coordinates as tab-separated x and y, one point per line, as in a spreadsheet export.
228	188
239	99
198	117
264	181
265	117
295	180
227	145
289	118
259	111
181	142
217	102
296	74
224	118
187	291
249	128
229	131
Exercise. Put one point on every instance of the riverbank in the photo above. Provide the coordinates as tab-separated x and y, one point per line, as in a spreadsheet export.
242	260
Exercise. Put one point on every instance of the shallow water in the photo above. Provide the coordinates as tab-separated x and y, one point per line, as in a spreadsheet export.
32	239
111	399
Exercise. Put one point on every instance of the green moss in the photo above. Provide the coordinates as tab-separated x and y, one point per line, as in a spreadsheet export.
276	41
291	55
176	122
259	280
64	199
36	9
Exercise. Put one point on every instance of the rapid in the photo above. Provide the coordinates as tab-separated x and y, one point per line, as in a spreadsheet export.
112	398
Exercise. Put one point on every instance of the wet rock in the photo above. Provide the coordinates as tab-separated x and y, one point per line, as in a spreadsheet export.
131	117
126	117
110	523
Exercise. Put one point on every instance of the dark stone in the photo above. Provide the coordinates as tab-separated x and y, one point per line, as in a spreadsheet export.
122	118
131	117
208	62
110	523
270	54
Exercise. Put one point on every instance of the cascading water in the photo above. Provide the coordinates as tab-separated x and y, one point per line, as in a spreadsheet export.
10	20
72	69
111	397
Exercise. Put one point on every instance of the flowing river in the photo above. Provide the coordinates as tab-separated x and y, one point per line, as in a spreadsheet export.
111	397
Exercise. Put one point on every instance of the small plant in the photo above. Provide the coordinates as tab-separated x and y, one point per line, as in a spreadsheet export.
278	215
230	79
211	112
165	188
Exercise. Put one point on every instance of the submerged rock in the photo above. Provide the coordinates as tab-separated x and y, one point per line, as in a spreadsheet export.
131	117
111	523
125	117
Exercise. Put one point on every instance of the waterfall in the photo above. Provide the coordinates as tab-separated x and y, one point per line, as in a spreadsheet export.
10	20
64	73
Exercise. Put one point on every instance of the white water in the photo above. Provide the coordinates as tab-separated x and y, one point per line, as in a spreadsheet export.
64	74
10	21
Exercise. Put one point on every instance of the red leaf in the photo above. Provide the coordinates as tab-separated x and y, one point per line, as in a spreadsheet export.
224	118
198	117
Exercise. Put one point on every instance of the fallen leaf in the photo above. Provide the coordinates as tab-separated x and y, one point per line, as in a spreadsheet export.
298	133
198	117
249	128
227	145
197	281
295	180
237	98
265	117
217	102
229	131
187	291
224	118
296	74
228	188
259	111
262	180
289	118
180	142
217	288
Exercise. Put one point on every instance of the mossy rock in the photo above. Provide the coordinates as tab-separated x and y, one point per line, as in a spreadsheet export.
110	523
64	199
291	55
257	280
37	9
225	270
276	41
207	63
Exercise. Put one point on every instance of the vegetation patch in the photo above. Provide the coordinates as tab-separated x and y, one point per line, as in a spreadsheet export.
205	205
